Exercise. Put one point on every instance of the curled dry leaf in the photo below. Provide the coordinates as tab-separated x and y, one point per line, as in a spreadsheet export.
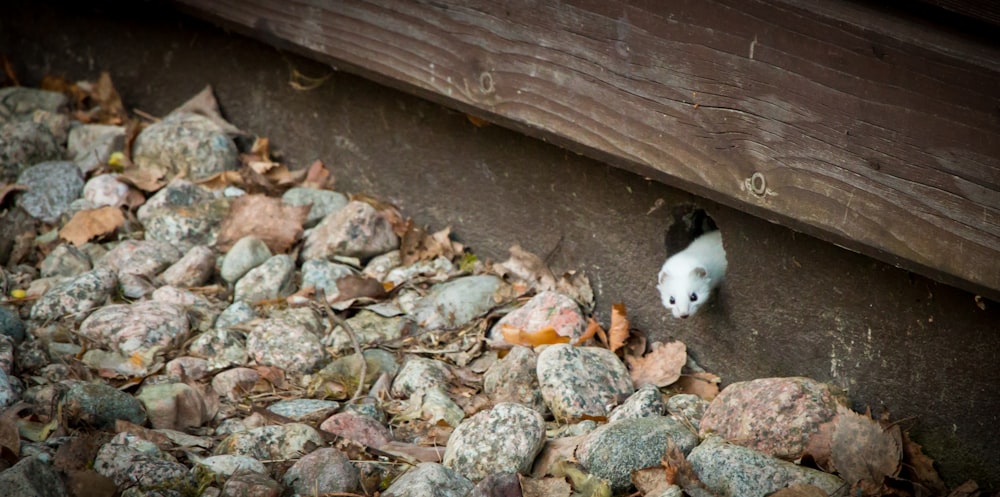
277	224
660	367
92	223
147	179
820	444
618	331
319	177
800	491
702	384
593	328
416	245
863	452
919	468
653	480
10	440
356	286
545	336
205	104
545	487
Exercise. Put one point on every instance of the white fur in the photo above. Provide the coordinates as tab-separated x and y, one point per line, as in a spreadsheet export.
698	270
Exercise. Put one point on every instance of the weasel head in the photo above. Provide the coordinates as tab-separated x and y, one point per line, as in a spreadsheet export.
684	293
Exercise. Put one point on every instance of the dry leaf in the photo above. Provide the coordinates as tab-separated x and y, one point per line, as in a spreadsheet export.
89	483
205	104
863	452
704	385
106	104
544	487
416	245
555	450
527	267
545	336
92	223
221	180
594	328
273	375
820	444
355	286
618	331
278	225
919	468
680	472
319	177
7	188
413	452
800	491
967	489
477	121
660	367
149	179
653	480
10	439
79	451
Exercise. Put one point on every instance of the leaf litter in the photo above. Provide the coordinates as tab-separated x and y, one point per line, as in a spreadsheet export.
875	457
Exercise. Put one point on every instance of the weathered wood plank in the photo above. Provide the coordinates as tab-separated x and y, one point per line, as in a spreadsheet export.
830	118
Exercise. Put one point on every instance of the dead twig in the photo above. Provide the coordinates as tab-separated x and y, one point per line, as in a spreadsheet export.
335	320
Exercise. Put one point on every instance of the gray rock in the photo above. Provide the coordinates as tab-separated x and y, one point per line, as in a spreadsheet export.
133	462
104	190
775	416
250	485
644	403
438	269
75	298
65	260
322	274
10	389
139	327
91	145
247	253
687	408
23	143
370	328
100	405
733	471
429	478
514	379
277	342
581	381
187	227
419	373
304	410
324	202
20	101
228	465
31	477
145	258
11	325
613	451
194	269
322	471
178	193
356	230
222	347
306	317
457	302
505	438
273	279
235	383
279	442
7	347
52	187
547	309
380	265
357	427
185	143
344	371
237	312
187	368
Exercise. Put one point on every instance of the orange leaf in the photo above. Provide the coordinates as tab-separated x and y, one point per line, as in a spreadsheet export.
544	336
592	328
618	331
660	367
704	385
92	223
318	176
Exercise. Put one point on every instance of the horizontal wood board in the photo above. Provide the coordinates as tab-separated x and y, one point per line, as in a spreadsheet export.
848	124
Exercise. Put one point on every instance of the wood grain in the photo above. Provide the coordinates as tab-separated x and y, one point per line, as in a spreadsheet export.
833	119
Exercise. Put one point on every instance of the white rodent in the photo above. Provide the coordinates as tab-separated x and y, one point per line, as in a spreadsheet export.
687	278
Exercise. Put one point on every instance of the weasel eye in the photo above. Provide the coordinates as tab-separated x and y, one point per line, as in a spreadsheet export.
672	302
694	297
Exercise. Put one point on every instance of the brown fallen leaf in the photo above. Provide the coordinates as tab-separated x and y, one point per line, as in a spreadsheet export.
89	483
92	223
545	487
272	375
594	329
148	179
653	480
319	177
356	286
545	336
10	440
277	224
864	453
819	445
702	384
660	367
555	450
7	188
205	104
680	472
527	267
107	99
919	468
618	331
222	179
800	491
80	451
416	245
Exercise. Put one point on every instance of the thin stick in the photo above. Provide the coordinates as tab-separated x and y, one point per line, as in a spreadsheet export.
337	320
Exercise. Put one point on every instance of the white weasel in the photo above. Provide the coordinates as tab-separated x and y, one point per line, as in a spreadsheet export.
688	277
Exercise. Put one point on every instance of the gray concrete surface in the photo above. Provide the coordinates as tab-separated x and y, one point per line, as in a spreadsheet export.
792	305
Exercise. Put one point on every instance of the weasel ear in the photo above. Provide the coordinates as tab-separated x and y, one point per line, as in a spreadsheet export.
699	272
663	277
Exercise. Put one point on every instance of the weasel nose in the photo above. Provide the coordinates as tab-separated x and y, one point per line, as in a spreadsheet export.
684	316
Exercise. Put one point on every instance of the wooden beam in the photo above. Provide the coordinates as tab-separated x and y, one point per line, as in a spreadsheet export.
832	118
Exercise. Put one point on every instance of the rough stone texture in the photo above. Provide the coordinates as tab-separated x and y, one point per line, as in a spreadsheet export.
380	265
177	193
75	298
65	260
277	342
187	368
31	477
185	143
419	373
322	471
237	312
614	450
775	416
356	230
455	303
498	485
505	438
98	404
273	279
22	143
250	485
176	406
52	187
429	478
370	329
228	465
247	253
235	383
222	348
304	410
324	202
361	429
194	269
688	408
514	379
581	381
105	190
21	101
11	325
187	227
272	442
323	274
734	471
644	403
138	327
131	461
10	389
545	310
145	258
91	145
